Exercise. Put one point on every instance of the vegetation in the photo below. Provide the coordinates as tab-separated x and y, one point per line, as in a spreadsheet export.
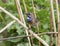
43	14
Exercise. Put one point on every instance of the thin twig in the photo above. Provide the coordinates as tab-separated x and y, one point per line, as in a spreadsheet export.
9	38
54	24
51	25
25	6
57	9
7	26
33	8
35	17
48	33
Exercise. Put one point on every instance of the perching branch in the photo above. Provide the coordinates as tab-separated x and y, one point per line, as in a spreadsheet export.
35	35
8	25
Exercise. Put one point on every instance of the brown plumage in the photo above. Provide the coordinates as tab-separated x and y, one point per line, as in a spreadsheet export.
31	20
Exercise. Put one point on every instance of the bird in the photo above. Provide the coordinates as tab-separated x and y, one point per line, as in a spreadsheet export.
30	19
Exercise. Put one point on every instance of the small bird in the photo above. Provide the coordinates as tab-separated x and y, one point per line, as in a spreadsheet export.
31	20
